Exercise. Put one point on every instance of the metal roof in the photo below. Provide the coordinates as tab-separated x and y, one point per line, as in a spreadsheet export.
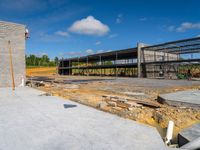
185	46
111	55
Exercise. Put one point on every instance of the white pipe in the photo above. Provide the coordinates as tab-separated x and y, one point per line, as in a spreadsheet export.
169	133
23	82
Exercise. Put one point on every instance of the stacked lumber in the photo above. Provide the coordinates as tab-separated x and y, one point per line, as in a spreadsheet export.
127	102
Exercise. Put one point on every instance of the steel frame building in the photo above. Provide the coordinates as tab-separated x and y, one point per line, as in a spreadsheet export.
162	60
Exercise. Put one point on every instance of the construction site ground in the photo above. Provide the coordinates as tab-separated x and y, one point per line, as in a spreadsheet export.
30	120
89	90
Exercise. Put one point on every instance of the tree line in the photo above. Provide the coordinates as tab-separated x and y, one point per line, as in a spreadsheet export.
44	60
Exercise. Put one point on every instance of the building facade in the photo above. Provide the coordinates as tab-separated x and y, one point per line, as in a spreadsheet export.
12	53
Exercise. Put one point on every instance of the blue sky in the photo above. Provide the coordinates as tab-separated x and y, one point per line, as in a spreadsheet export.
67	28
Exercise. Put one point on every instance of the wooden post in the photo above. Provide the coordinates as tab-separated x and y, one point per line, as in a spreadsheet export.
11	66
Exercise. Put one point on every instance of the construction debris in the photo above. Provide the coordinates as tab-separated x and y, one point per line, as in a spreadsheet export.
134	93
71	86
101	105
127	102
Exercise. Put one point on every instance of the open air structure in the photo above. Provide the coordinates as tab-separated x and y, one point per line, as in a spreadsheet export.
161	60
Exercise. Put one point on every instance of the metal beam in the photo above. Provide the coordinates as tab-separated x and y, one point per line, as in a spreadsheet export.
174	42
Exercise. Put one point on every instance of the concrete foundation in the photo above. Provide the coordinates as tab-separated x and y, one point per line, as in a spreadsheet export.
15	33
184	98
30	120
189	134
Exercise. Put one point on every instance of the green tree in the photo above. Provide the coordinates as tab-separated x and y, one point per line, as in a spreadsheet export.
32	60
56	60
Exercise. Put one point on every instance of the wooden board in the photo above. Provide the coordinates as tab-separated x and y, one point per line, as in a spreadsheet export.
122	101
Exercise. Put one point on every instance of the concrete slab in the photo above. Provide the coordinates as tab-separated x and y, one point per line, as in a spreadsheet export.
189	134
189	98
32	122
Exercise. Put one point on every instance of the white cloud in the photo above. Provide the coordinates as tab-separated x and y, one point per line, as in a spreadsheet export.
198	35
49	37
89	26
119	18
143	19
100	51
98	43
187	26
112	36
62	33
89	51
81	53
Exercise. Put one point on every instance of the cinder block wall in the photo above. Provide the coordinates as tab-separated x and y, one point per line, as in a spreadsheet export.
15	33
153	70
151	56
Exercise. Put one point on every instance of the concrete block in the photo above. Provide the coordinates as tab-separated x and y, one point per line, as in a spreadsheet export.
188	98
15	33
101	105
189	134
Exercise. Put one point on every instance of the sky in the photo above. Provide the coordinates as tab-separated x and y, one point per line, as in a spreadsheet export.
69	28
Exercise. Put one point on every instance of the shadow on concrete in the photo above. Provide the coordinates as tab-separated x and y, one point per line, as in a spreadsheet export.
69	105
46	79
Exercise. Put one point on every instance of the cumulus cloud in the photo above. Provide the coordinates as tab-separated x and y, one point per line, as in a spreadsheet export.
187	26
119	18
62	33
89	26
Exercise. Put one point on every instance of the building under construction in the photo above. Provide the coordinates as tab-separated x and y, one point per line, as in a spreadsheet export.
164	60
12	54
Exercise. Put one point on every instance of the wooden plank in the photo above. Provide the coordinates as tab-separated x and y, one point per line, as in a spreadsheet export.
128	104
133	104
145	102
124	99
